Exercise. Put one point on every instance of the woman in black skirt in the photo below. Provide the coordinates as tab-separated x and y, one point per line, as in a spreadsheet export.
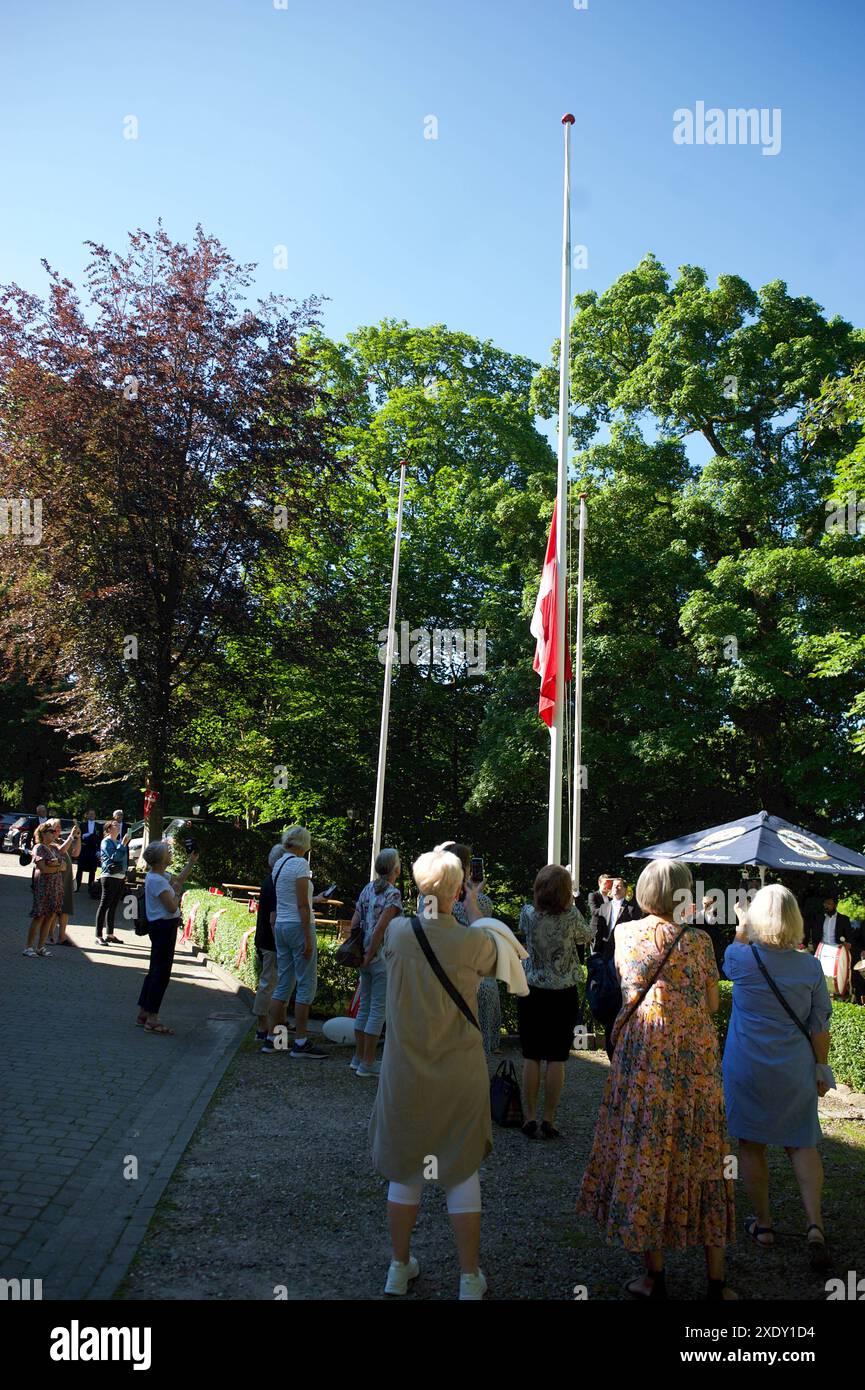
552	928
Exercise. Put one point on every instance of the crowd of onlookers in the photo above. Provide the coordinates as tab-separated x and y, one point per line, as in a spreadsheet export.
660	1174
93	844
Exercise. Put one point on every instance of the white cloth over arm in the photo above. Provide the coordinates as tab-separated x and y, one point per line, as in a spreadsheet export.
511	954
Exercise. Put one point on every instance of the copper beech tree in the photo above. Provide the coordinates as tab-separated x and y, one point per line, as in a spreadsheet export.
179	444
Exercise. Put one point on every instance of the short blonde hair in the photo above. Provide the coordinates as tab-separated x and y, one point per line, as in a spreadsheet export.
297	837
438	874
40	830
774	919
658	885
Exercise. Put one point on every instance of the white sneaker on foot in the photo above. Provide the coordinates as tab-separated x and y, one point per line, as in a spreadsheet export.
399	1276
354	1063
472	1287
373	1069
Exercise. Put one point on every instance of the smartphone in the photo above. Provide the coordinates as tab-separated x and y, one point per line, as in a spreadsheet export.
477	870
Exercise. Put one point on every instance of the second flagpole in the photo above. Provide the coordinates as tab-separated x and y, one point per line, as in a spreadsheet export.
554	823
388	676
578	703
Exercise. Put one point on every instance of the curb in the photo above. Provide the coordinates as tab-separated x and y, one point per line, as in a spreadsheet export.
241	990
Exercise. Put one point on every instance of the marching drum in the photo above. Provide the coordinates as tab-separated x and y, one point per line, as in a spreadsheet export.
835	961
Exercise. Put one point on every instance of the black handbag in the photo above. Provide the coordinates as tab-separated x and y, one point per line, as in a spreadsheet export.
435	965
506	1103
352	952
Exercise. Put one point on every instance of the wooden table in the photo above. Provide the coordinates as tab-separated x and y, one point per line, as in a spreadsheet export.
243	890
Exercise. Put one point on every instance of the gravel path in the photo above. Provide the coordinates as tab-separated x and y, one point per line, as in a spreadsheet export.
275	1197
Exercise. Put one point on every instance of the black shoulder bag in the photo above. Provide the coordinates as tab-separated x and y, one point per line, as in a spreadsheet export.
781	1000
439	973
653	979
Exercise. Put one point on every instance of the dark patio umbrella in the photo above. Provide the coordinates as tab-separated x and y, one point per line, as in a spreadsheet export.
761	839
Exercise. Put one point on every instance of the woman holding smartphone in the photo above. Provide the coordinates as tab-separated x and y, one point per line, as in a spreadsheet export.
114	861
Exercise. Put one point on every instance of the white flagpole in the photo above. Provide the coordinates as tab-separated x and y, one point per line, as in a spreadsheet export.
388	671
554	826
578	703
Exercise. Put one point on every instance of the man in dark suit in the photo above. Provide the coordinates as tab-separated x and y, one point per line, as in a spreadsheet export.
834	928
88	859
614	910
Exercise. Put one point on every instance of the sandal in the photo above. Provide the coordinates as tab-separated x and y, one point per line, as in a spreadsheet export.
141	1020
716	1289
158	1028
658	1289
530	1128
818	1250
549	1131
115	940
754	1231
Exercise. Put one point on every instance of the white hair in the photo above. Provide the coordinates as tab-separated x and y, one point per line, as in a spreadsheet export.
157	852
774	918
438	874
659	884
385	862
276	853
297	837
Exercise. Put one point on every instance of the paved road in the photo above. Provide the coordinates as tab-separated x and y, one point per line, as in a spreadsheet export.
95	1113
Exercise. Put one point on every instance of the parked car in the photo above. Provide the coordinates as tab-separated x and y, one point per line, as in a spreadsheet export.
172	830
11	825
14	823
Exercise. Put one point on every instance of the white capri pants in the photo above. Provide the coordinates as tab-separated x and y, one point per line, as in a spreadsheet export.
464	1197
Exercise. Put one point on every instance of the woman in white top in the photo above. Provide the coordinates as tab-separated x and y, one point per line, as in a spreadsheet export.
162	893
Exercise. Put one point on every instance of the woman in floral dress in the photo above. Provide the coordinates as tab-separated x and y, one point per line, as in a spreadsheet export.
656	1174
47	888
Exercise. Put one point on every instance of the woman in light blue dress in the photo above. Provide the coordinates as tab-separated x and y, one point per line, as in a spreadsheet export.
773	1074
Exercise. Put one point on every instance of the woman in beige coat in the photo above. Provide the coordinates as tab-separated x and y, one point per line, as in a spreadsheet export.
431	1119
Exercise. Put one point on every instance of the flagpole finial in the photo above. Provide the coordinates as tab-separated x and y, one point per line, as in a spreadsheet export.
567	119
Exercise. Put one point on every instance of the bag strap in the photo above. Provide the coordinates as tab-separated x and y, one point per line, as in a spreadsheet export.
275	881
653	979
781	1000
435	966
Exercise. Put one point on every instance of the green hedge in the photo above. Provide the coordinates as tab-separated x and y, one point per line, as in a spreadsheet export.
847	1052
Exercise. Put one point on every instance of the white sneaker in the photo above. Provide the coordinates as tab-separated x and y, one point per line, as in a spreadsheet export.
374	1069
354	1063
399	1276
472	1287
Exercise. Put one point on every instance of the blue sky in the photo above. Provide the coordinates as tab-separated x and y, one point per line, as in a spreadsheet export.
304	127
